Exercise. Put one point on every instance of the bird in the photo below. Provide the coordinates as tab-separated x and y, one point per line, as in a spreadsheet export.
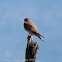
31	28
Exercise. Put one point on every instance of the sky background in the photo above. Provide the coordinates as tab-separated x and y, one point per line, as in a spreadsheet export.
46	14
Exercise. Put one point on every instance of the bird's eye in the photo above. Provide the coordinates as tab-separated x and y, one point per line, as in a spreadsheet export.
26	20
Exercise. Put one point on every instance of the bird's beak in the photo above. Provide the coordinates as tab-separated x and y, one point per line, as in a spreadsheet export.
24	19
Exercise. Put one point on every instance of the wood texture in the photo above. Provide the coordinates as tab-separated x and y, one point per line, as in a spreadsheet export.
31	50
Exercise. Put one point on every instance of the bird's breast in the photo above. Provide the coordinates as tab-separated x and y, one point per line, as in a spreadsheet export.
27	27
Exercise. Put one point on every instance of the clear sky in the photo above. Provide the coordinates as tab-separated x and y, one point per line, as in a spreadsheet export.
46	14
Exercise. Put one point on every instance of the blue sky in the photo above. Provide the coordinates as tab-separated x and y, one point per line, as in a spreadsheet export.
46	14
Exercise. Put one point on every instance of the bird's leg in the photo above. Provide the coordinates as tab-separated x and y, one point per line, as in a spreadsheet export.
31	38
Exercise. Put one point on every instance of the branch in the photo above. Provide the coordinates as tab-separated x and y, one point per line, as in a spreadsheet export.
31	50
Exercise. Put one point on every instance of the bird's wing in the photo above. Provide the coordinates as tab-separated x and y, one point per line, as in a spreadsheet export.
30	27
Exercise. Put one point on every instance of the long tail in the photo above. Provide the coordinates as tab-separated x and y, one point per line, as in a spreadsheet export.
40	37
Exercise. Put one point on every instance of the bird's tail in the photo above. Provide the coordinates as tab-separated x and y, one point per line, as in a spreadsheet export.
39	36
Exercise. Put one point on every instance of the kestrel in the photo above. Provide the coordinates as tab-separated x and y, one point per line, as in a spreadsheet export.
30	27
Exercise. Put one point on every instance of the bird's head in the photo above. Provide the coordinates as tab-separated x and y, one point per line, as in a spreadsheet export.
26	20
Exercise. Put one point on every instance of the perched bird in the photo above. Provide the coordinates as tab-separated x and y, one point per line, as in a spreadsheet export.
30	27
